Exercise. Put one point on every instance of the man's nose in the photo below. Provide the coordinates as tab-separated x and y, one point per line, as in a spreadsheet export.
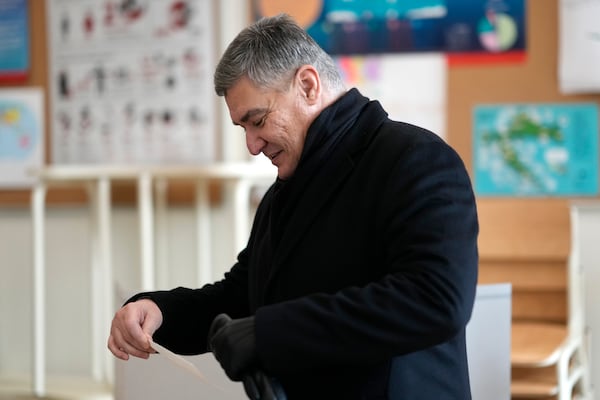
254	143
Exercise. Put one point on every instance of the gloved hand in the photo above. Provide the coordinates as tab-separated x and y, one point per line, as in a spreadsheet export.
259	386
233	344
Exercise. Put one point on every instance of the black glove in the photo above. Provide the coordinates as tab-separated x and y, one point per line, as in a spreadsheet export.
233	344
259	386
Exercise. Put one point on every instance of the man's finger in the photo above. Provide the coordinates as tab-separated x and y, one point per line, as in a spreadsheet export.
116	350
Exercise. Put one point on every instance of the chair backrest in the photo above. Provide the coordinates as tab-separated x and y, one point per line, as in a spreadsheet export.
527	246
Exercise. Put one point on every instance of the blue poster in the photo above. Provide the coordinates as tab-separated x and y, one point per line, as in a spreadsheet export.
14	39
536	149
347	27
21	135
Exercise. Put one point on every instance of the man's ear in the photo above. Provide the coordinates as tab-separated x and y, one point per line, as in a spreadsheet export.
309	83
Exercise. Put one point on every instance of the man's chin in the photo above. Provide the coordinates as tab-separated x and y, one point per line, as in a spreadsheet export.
283	175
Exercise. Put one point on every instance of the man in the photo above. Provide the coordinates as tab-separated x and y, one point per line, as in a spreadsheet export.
360	272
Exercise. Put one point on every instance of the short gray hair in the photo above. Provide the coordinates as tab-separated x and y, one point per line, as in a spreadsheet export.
269	52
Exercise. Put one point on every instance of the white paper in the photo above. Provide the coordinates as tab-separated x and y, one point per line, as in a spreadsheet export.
579	46
410	87
178	360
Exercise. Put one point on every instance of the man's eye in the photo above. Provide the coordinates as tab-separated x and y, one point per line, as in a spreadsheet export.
260	122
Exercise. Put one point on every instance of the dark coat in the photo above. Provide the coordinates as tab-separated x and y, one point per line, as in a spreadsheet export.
371	283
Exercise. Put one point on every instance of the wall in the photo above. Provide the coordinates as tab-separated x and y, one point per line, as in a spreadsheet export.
68	278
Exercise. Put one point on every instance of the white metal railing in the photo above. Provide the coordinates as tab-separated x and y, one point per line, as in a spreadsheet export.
241	177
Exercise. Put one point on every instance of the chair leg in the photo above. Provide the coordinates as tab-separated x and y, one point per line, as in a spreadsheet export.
572	372
562	378
585	386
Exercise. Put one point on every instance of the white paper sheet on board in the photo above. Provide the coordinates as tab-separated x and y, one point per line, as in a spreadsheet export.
410	87
579	46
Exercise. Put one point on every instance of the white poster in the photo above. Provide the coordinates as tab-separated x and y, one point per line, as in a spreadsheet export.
410	87
21	136
579	46
131	81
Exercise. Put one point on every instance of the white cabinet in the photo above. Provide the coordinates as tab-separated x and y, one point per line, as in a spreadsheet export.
585	224
488	342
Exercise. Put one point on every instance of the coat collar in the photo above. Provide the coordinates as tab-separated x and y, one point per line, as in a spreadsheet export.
326	182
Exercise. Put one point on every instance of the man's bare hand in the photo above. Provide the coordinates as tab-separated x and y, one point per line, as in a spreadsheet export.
132	329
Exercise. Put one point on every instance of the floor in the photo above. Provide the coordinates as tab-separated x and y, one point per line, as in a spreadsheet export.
24	397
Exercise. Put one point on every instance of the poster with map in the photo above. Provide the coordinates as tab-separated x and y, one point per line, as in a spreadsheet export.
536	149
21	136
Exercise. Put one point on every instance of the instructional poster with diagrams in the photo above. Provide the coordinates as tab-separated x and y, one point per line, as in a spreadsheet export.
131	81
536	149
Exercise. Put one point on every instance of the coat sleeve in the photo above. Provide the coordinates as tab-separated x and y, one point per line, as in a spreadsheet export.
427	218
188	313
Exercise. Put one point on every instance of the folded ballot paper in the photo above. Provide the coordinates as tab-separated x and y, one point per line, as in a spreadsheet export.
180	362
258	385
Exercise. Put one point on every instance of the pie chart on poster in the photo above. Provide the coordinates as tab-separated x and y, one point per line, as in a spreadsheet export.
304	12
497	32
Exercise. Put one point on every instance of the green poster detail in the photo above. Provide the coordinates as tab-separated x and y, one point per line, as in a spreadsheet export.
536	149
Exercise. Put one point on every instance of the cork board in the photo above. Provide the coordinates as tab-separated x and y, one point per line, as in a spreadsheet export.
534	80
528	232
179	192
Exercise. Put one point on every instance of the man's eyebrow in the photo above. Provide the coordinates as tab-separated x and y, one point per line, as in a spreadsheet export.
252	113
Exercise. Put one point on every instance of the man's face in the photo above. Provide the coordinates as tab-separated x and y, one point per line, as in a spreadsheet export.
275	122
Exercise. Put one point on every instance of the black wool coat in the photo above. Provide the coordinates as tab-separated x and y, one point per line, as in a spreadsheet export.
364	290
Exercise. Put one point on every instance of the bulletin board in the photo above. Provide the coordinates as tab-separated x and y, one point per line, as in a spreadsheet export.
38	77
533	80
518	233
35	78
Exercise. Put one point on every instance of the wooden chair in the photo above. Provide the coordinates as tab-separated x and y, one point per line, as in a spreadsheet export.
550	360
533	244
